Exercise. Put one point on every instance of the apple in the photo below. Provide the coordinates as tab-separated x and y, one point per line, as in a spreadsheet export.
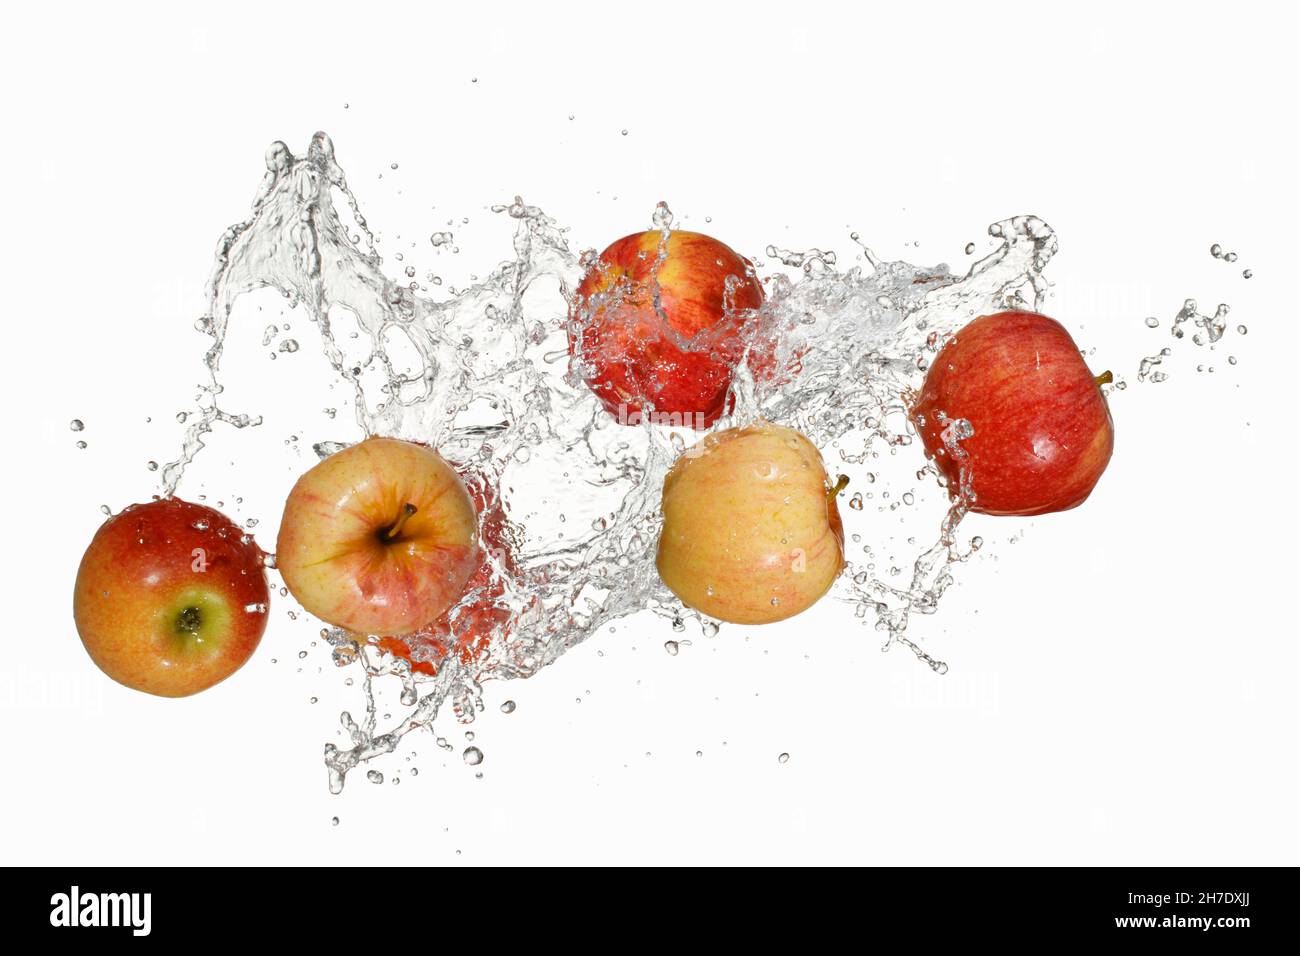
1042	429
171	597
751	530
657	322
379	538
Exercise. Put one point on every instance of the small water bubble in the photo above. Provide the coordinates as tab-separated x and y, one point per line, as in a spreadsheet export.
970	248
81	445
1246	274
1152	322
334	821
374	776
473	756
671	647
1216	250
289	345
1241	330
784	758
508	707
623	132
76	424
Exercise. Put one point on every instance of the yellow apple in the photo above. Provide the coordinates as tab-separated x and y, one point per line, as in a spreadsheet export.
751	531
379	538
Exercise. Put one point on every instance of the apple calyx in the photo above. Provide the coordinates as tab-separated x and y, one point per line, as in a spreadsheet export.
1105	378
393	530
841	483
189	621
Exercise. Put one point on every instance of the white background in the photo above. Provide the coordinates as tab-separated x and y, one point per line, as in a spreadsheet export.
1122	685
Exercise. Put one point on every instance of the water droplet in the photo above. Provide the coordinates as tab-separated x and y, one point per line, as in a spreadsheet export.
1152	322
671	647
473	756
784	758
374	776
508	707
76	424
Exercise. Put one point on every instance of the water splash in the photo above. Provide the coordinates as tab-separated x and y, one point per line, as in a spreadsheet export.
568	497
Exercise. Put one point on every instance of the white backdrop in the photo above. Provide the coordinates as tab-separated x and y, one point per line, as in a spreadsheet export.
1122	676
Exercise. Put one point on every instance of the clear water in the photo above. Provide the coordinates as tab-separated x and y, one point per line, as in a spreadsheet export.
569	498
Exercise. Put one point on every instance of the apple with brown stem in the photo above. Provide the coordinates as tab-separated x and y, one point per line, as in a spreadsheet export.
1042	431
751	533
379	538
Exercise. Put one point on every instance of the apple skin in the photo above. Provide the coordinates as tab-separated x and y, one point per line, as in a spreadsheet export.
1043	431
751	530
335	552
633	354
171	597
468	629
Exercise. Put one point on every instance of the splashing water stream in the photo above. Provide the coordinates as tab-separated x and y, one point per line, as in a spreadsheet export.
493	391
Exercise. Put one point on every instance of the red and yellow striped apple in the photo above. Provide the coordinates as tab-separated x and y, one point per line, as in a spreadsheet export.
379	538
171	597
751	530
1042	429
657	322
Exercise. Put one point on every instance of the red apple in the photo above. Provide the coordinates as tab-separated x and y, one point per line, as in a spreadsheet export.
658	322
1042	428
379	538
171	597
